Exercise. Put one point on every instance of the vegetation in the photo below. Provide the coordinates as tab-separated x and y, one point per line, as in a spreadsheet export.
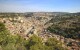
66	32
35	43
53	44
16	42
10	42
68	26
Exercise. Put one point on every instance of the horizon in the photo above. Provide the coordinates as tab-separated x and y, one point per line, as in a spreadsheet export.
22	6
40	12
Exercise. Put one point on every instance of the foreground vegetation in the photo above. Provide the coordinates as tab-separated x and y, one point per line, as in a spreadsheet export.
16	42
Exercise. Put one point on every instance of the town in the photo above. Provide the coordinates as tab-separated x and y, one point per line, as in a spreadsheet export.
45	25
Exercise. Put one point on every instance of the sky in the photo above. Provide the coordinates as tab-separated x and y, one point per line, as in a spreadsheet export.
39	5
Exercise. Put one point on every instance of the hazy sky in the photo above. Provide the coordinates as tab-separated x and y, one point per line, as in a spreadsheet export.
39	5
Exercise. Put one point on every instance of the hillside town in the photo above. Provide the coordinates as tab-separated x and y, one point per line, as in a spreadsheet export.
37	23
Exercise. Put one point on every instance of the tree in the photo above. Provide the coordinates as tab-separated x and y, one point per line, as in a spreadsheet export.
34	42
2	27
54	44
37	47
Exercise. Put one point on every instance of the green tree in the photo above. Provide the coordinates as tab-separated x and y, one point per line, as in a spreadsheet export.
33	42
54	44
